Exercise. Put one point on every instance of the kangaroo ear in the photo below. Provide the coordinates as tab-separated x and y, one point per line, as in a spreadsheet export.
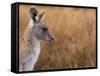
41	16
33	13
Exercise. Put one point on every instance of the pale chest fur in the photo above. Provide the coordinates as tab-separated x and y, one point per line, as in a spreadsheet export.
29	51
30	60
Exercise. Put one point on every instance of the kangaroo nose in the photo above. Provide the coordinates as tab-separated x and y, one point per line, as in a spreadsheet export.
52	38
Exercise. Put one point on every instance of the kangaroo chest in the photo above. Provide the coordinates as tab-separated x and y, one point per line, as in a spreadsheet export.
31	53
30	60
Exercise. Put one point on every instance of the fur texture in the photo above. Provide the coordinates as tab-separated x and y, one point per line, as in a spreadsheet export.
29	50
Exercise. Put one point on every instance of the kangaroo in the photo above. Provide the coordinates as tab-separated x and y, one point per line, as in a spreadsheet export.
36	31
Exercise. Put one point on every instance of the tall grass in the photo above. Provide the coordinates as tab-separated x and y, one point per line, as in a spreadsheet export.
74	30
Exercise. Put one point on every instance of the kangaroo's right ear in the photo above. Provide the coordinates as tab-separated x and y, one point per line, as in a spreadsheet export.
41	16
33	13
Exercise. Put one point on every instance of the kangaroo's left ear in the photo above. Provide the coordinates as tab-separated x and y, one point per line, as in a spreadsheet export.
41	16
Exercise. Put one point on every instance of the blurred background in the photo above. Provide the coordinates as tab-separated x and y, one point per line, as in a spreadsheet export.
74	30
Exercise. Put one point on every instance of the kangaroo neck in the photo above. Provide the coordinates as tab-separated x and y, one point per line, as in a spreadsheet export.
36	44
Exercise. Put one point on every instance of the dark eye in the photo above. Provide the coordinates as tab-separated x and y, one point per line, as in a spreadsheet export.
44	29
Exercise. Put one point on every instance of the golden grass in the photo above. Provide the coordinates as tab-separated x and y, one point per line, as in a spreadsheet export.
74	30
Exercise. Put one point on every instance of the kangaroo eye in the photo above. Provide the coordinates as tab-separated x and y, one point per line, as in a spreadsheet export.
44	29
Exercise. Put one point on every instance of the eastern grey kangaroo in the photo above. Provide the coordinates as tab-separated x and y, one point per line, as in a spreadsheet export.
36	31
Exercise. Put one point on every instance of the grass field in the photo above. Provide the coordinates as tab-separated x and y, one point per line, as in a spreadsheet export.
74	30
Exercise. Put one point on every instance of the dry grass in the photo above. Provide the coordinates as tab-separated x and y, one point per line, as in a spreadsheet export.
74	30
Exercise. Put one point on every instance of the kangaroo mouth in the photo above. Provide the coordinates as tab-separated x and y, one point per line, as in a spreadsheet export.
50	40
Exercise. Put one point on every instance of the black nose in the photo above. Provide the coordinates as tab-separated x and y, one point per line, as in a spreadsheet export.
52	38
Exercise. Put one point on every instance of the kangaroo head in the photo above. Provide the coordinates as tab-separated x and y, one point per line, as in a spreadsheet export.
39	28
